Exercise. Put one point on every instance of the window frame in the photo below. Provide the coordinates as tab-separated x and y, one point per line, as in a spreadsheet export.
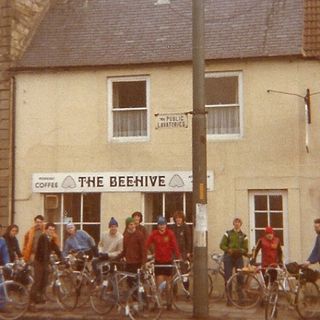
110	81
228	136
273	192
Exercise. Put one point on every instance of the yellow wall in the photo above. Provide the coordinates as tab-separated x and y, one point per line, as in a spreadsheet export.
62	126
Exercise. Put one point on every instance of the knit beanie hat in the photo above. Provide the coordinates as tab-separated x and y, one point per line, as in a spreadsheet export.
162	220
268	230
129	220
113	222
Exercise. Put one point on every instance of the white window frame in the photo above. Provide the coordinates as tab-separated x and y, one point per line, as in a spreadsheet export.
110	82
284	194
239	74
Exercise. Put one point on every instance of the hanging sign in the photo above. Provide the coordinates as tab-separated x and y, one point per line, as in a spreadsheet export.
171	120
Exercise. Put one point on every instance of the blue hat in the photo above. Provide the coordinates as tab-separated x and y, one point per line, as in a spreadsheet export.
113	222
162	220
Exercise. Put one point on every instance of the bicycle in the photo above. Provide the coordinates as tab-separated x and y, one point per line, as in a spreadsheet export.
216	273
62	286
14	298
139	302
299	291
249	286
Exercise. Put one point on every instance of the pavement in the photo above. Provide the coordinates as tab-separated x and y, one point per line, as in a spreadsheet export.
217	311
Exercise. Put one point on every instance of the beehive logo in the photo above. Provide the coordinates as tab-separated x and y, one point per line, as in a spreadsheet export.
68	183
176	181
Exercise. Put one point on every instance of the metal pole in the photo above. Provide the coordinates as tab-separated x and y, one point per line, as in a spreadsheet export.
199	165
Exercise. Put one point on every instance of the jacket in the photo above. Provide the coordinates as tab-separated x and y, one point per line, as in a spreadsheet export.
45	248
315	253
13	247
271	252
183	237
234	243
133	248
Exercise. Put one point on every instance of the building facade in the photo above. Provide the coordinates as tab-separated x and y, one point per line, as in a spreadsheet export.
107	138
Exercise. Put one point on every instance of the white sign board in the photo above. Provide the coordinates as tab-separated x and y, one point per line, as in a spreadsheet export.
166	181
172	120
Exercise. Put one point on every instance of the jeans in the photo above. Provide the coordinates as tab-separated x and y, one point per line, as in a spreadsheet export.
229	264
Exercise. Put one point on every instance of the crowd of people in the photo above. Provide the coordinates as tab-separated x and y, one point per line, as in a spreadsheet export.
131	246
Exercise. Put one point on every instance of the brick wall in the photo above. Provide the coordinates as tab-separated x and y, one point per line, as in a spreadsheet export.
5	111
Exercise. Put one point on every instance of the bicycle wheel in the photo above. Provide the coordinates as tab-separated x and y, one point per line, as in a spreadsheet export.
182	293
217	286
271	310
308	300
144	302
66	291
14	300
244	290
104	297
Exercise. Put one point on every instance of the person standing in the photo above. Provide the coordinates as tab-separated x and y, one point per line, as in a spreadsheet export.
234	243
46	245
271	252
133	253
4	254
12	242
79	241
314	256
165	248
137	216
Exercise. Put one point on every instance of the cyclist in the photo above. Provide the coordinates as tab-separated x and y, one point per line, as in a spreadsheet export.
234	243
165	248
79	241
137	216
315	253
12	242
271	252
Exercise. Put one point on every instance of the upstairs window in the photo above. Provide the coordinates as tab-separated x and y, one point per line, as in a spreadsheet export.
128	106
223	98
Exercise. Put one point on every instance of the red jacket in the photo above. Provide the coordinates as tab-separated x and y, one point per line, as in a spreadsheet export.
165	245
271	251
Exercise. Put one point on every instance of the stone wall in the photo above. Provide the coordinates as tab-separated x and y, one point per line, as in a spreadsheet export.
18	22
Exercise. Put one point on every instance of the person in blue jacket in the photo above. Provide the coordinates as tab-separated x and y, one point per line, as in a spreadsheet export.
4	259
315	253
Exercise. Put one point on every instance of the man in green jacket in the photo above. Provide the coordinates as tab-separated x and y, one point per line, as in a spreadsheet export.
234	243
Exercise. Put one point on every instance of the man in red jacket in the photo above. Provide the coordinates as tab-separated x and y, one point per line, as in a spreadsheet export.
271	252
165	249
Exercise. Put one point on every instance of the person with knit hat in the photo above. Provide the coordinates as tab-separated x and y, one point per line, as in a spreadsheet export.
271	252
166	249
111	242
133	253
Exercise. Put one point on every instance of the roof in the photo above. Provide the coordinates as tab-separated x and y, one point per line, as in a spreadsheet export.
312	28
115	32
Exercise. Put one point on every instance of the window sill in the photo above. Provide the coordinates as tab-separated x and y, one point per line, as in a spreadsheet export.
129	140
224	137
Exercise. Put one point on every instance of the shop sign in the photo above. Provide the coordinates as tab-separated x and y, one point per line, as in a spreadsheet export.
166	181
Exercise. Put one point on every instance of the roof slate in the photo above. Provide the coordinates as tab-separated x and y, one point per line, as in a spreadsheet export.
312	28
115	32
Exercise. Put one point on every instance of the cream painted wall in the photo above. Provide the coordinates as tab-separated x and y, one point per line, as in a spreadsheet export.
62	126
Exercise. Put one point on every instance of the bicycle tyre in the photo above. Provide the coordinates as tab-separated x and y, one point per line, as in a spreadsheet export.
66	291
14	300
308	300
144	302
217	286
104	297
248	294
271	307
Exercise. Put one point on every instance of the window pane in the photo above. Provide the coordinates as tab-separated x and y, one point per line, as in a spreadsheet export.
72	206
52	207
275	202
259	234
260	202
222	90
279	234
223	120
174	202
189	209
93	230
276	219
261	219
129	94
130	123
91	207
